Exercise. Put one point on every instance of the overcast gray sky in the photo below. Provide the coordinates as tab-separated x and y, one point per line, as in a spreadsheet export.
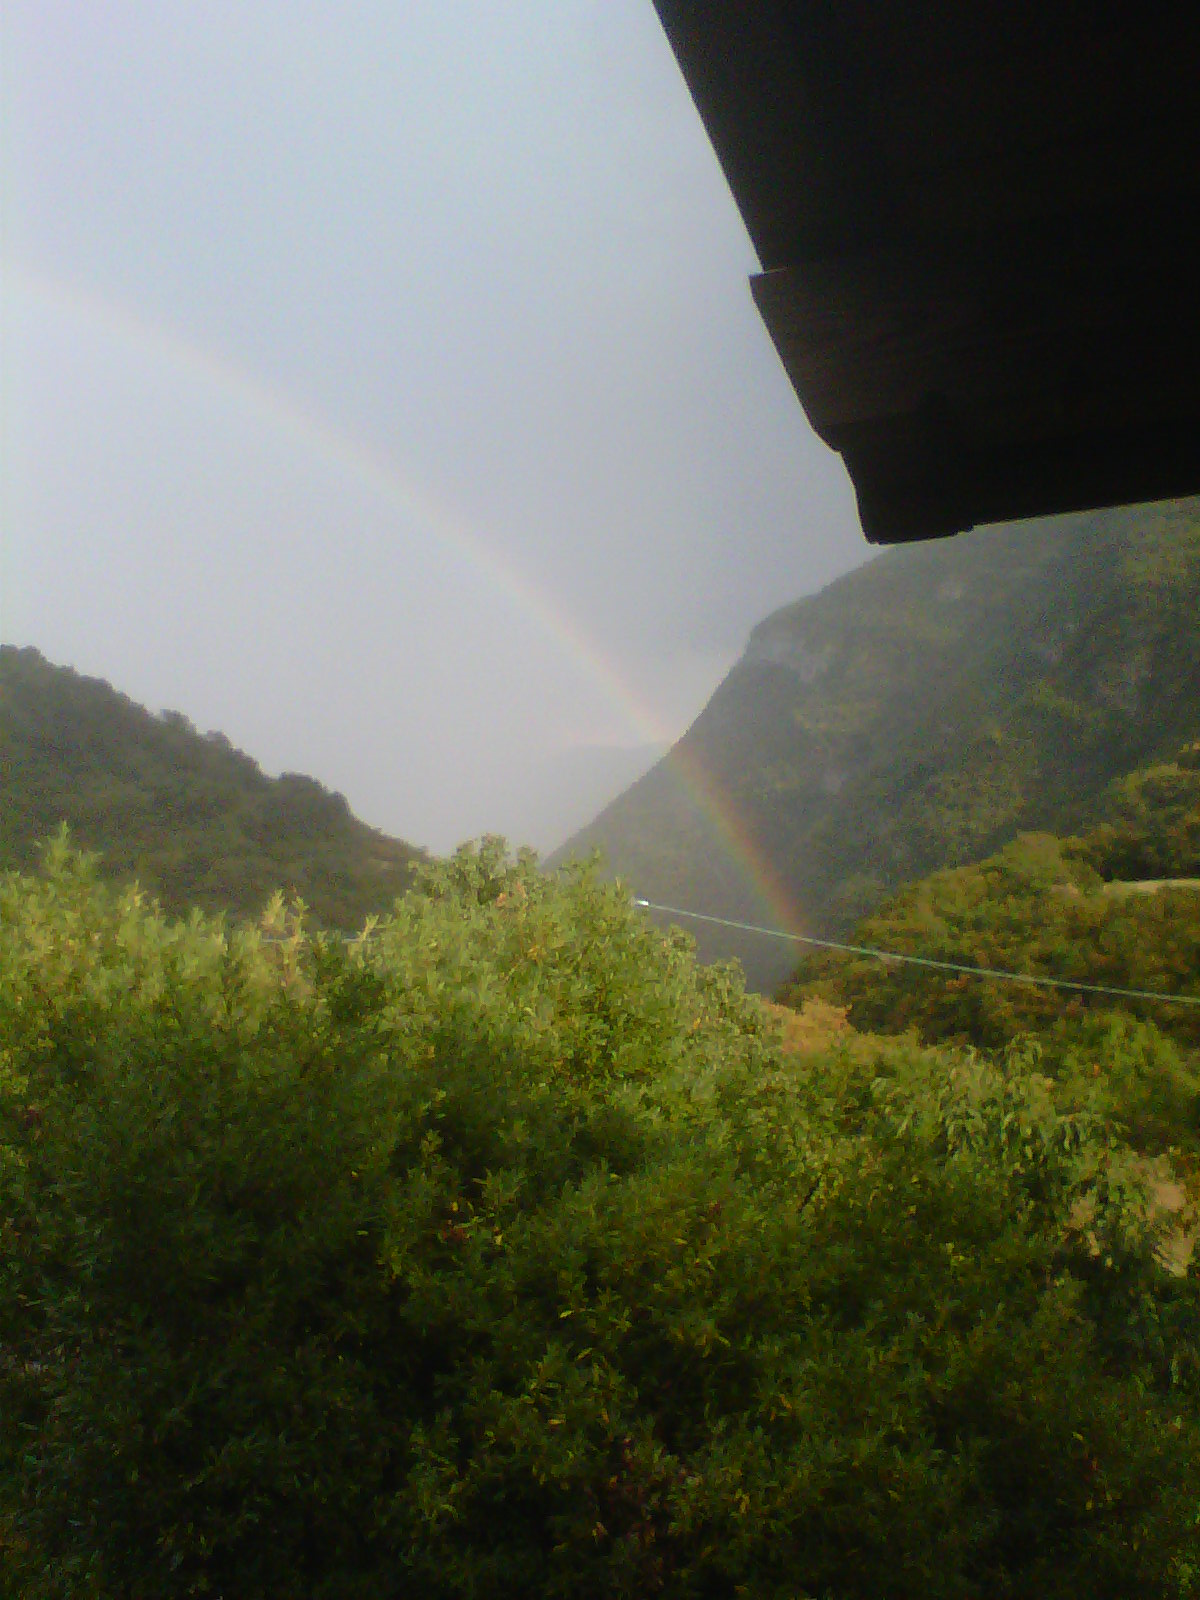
381	386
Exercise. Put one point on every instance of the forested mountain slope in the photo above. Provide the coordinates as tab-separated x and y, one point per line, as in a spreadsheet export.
919	713
196	821
1118	907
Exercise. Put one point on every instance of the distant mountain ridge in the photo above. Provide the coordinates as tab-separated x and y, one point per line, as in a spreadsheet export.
196	821
919	713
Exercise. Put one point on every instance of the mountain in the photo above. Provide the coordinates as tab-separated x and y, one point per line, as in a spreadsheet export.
196	821
917	714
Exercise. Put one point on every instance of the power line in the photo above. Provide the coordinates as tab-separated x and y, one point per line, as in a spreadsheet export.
926	961
1032	979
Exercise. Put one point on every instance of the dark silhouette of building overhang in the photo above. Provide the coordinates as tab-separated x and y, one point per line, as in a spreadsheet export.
978	224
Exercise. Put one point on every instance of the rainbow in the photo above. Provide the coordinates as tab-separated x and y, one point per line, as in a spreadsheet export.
400	492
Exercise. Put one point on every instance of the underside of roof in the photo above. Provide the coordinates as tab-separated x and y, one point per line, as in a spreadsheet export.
979	227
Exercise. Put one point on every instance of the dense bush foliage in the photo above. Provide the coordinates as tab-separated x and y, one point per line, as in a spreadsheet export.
1152	822
503	1253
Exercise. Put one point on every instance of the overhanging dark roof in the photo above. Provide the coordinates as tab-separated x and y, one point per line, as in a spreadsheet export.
978	224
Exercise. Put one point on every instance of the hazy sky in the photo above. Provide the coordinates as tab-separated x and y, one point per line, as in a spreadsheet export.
382	386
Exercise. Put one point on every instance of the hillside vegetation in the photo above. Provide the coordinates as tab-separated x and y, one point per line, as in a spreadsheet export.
507	1252
193	819
1118	907
918	714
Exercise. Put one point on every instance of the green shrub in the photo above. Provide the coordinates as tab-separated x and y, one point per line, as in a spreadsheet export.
503	1254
